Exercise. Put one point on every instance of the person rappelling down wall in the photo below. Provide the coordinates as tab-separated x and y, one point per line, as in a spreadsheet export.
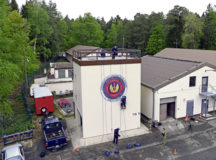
116	135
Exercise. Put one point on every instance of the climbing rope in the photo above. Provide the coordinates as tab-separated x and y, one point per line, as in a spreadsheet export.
102	105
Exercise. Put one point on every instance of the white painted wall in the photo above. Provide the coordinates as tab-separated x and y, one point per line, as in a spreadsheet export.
99	115
77	90
181	90
52	71
40	81
146	101
66	73
57	87
69	57
56	74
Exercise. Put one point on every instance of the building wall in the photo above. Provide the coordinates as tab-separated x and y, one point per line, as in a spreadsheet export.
69	57
56	74
52	71
57	87
100	116
77	90
146	101
40	81
181	90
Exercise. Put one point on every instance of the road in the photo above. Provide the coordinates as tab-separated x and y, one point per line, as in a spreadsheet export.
200	144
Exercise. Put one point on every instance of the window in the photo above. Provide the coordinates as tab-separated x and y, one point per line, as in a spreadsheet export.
61	73
70	73
192	82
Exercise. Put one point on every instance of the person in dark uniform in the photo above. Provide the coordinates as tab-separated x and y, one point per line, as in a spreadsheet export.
103	54
116	135
164	136
190	127
115	52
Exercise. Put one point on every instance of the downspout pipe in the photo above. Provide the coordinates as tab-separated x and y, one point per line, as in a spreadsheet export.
153	107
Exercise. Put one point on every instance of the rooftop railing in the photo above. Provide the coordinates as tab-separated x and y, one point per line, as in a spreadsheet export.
106	54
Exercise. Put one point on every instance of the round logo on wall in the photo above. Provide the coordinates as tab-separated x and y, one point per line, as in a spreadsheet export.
113	87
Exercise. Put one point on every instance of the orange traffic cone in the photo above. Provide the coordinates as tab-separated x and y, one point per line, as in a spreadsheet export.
187	118
200	116
174	152
78	149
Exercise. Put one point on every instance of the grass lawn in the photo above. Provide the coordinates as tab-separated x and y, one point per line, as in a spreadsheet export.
19	121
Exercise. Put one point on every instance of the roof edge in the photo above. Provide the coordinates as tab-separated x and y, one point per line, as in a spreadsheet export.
181	60
173	79
146	85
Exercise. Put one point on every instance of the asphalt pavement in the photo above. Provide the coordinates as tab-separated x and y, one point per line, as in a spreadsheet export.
198	144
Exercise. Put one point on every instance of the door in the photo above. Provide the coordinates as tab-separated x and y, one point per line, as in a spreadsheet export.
171	109
204	84
190	107
204	106
163	112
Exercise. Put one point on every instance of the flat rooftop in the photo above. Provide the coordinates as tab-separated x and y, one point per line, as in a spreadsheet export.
105	56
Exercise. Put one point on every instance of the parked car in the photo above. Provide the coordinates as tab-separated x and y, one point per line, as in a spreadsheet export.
54	134
64	103
13	152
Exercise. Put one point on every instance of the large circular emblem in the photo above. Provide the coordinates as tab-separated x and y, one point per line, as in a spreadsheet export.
113	87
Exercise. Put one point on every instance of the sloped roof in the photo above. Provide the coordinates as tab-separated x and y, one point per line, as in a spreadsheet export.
81	48
63	65
208	56
157	72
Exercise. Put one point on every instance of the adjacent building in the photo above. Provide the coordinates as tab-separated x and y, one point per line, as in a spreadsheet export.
198	55
58	79
81	51
175	88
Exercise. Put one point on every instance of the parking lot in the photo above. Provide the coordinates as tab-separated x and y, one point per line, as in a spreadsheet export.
196	144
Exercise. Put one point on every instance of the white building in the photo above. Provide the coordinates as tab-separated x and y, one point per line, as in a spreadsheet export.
80	51
174	88
58	78
99	85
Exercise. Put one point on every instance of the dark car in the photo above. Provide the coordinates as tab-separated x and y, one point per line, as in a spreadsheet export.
54	134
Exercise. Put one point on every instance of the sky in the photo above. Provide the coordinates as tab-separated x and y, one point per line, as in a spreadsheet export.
124	8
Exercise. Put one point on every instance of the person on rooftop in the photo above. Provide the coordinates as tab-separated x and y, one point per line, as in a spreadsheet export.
115	51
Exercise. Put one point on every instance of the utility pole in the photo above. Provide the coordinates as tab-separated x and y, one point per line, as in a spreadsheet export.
25	69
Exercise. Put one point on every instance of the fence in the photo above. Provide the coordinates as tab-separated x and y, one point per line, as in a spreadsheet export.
16	137
13	125
30	78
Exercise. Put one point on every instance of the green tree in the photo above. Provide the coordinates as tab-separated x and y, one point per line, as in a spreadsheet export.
209	30
56	39
174	26
157	40
86	31
14	5
192	31
155	19
114	35
63	35
38	19
139	32
14	46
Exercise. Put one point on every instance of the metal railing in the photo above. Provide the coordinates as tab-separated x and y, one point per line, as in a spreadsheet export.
106	54
17	137
209	89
